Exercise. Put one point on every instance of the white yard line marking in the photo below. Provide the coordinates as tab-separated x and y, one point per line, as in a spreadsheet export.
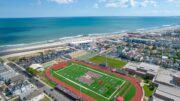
117	89
81	85
107	75
101	72
93	71
64	68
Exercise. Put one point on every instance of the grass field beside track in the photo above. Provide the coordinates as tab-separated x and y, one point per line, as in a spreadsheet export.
87	56
115	63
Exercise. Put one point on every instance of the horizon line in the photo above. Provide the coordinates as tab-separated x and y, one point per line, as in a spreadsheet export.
86	16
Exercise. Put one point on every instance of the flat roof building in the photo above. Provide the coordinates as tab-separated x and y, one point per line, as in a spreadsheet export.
142	69
148	68
167	93
168	85
168	77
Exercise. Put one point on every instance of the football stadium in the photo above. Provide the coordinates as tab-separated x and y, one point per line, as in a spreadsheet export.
93	83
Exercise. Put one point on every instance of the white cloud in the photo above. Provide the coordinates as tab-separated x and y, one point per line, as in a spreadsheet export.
174	1
62	1
146	3
96	5
128	3
113	5
117	3
133	3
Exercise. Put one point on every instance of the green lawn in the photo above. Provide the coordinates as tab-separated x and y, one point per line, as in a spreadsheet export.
147	91
130	94
42	76
115	63
123	91
103	88
49	82
48	64
87	56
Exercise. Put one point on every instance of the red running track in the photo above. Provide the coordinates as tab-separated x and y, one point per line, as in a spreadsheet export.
134	81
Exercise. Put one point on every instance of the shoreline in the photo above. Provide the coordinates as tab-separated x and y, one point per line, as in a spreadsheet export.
18	45
68	40
76	39
44	46
3	47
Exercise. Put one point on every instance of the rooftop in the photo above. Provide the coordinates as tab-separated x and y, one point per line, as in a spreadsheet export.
36	66
170	92
3	68
33	94
17	78
131	65
152	69
149	67
166	75
177	74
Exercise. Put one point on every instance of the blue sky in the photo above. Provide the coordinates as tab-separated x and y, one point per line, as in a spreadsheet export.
61	8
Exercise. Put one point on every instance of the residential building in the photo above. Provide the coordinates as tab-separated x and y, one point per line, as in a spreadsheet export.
36	95
6	72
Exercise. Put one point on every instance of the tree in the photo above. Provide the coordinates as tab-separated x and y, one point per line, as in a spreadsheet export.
1	61
32	71
151	86
147	77
146	81
154	48
41	53
178	55
174	59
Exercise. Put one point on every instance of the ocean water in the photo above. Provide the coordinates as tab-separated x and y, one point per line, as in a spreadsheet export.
20	31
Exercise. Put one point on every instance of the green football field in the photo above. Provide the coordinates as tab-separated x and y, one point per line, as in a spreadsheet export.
95	83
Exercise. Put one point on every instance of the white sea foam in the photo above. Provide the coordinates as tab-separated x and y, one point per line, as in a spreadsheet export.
95	34
141	29
166	25
13	45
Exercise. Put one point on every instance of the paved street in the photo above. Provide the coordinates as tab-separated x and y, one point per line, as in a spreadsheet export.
57	96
